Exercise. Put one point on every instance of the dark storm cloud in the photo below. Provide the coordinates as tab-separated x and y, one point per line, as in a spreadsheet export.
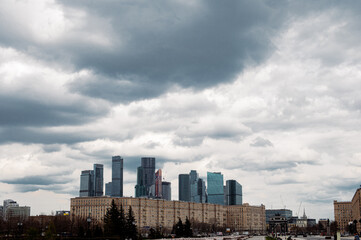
155	45
38	135
17	111
38	180
196	50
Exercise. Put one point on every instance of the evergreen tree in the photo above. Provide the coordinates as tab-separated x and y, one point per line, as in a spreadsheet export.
112	220
179	231
131	228
187	228
122	224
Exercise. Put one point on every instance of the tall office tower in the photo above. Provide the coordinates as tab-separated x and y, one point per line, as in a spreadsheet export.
193	181
166	191
108	189
184	191
233	193
140	189
86	183
202	193
98	180
1	212
158	184
193	176
117	176
148	165
215	188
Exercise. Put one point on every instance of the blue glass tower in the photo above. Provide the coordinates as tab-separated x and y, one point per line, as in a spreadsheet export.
215	188
108	189
233	193
117	176
98	180
193	181
184	191
166	190
86	183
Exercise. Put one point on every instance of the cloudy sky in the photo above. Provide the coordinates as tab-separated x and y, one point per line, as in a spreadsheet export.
267	92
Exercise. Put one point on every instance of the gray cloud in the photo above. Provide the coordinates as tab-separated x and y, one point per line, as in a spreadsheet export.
37	135
17	111
39	180
172	43
261	142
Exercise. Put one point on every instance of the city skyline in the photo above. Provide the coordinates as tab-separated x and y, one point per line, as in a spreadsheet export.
265	92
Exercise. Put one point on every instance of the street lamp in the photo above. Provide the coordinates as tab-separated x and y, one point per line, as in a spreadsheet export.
89	220
20	225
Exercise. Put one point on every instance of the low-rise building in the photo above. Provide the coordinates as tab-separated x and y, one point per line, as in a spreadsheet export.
162	213
21	213
11	209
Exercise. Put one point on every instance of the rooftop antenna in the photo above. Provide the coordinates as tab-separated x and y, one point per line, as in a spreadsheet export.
298	213
283	204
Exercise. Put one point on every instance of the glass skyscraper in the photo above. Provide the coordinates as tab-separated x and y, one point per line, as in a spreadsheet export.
215	188
145	177
140	190
148	165
86	183
166	191
117	176
108	189
184	191
193	181
233	193
202	194
98	180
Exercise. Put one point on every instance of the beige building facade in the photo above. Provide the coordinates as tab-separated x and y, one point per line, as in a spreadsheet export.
162	213
356	208
343	214
347	212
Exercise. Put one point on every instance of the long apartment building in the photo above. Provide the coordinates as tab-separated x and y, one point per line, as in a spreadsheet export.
346	212
162	213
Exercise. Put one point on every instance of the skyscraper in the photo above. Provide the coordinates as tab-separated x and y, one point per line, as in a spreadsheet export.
233	193
148	165
86	183
215	188
202	194
158	184
184	191
140	189
166	191
98	180
193	181
108	189
117	176
145	177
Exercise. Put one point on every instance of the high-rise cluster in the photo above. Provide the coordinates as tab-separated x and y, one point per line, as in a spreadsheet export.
193	189
150	183
92	181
